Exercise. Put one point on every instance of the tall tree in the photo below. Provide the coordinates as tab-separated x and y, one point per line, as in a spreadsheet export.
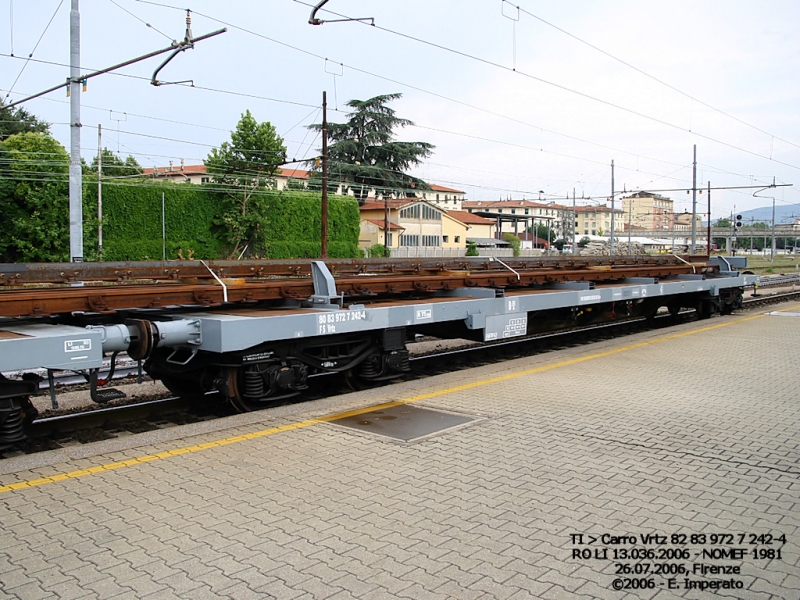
19	120
244	167
114	166
365	155
34	199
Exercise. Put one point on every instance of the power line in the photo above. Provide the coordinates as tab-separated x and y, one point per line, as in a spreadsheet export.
648	75
30	56
564	88
404	84
141	20
400	83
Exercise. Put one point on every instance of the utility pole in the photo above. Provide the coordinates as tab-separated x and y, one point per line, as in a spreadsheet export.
708	235
574	220
630	219
611	248
324	233
75	174
694	201
99	192
74	83
772	253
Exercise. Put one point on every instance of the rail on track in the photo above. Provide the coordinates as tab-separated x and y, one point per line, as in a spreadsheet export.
40	290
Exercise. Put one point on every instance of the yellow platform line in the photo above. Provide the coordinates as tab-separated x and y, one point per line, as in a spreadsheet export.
30	483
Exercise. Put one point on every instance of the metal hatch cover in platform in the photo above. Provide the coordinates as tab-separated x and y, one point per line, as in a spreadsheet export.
404	422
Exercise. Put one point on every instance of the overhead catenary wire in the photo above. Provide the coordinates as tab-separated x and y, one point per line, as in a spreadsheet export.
39	41
397	82
140	20
569	90
400	83
225	91
653	77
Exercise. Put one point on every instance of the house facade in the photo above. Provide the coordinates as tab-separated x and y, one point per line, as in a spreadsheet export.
648	211
412	223
596	220
477	227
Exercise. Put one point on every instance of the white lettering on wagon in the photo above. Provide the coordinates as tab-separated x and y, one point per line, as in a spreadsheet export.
591	297
515	327
327	322
78	345
423	313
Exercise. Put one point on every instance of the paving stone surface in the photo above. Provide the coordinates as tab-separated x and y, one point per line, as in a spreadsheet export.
686	431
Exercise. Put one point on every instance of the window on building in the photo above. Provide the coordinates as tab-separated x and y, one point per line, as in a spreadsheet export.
431	214
513	211
412	212
388	239
458	239
430	240
409	240
446	239
499	210
204	180
594	232
437	196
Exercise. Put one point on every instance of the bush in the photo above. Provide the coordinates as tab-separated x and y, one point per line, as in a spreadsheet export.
379	251
472	249
514	241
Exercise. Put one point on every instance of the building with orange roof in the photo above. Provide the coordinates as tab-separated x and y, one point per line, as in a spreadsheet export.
444	197
416	227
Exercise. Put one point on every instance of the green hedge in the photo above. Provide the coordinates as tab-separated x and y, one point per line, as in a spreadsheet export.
290	223
132	221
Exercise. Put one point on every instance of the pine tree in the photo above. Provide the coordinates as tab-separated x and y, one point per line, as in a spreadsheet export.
364	154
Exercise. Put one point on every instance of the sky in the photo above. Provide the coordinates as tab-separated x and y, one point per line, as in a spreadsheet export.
523	100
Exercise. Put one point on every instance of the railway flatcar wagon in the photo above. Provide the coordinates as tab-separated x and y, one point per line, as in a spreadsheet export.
256	330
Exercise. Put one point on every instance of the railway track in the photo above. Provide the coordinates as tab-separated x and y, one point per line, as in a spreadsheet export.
71	428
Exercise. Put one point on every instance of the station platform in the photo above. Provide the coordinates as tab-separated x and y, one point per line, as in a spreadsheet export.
659	465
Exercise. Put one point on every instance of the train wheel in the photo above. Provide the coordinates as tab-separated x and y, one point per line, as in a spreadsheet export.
233	395
255	387
357	383
16	414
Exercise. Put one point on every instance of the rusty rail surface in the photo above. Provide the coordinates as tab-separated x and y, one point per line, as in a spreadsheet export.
49	289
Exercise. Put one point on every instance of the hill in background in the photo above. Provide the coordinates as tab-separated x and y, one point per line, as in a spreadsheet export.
784	213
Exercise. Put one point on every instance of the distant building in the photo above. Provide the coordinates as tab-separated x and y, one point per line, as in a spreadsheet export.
444	197
683	222
412	223
596	220
477	227
647	211
517	216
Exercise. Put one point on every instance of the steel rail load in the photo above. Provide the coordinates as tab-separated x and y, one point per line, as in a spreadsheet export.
256	330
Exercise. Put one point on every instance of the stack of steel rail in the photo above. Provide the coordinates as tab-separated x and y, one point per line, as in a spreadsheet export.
37	290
